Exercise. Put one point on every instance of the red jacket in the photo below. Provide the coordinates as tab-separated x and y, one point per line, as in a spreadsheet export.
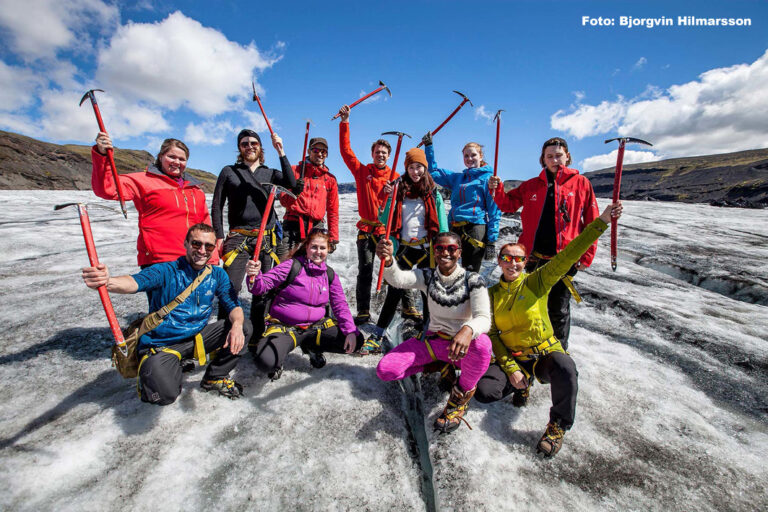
369	180
319	197
166	210
572	189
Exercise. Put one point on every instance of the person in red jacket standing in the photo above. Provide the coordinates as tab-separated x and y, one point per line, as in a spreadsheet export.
557	205
318	197
168	202
369	180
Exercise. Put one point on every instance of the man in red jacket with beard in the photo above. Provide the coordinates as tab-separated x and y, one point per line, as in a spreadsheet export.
369	180
557	205
317	197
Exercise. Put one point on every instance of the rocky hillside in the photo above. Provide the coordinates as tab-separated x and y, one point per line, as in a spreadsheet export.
729	179
29	164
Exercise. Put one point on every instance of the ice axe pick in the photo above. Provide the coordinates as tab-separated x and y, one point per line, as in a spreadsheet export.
110	152
617	188
381	87
463	101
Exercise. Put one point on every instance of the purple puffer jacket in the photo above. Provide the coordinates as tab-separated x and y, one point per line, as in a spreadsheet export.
303	302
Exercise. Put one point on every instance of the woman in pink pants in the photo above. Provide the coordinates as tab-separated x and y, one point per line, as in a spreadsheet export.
459	317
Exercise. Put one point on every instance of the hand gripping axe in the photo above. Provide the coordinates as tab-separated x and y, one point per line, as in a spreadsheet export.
110	152
617	188
265	217
93	257
381	87
393	199
463	101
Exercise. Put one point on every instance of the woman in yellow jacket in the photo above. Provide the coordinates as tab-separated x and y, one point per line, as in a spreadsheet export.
524	345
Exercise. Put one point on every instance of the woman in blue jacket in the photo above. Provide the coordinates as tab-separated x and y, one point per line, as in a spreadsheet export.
474	215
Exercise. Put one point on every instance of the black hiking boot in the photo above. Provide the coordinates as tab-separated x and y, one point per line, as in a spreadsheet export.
316	359
275	374
226	387
187	365
520	397
363	317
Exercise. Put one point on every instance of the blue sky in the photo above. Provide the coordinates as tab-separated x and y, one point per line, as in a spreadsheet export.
182	69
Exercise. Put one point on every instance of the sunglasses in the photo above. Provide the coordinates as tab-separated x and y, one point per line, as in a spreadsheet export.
254	144
197	244
321	231
452	248
319	151
507	258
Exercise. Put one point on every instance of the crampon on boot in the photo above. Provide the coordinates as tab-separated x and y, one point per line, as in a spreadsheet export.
520	397
372	344
226	387
552	440
412	314
453	414
275	374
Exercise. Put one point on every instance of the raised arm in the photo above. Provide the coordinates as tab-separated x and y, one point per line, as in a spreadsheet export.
442	177
102	182
353	164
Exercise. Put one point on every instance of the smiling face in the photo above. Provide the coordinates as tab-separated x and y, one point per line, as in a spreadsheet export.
416	172
317	249
380	154
447	253
512	261
318	154
250	150
199	246
173	162
555	157
473	157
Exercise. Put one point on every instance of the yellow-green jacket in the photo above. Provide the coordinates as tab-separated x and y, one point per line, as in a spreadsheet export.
520	320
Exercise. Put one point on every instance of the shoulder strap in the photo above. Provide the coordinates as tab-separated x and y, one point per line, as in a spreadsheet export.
295	269
331	274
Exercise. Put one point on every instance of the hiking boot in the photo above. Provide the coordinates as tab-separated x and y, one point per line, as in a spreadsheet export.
226	387
453	414
316	359
363	317
448	378
371	345
552	440
520	397
187	365
275	374
412	314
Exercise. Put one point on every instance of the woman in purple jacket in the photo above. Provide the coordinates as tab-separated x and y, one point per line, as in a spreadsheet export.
300	313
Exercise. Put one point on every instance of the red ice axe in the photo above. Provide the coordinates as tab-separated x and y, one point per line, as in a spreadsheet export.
496	118
110	152
302	230
392	204
265	218
360	100
617	189
93	257
463	101
257	100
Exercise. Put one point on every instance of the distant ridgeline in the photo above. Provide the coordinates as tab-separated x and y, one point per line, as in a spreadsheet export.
730	179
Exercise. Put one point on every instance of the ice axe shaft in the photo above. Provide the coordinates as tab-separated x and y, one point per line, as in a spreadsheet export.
496	153
450	116
393	201
93	258
265	219
617	191
304	152
257	100
381	87
110	152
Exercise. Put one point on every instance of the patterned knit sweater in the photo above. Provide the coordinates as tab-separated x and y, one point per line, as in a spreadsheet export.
456	300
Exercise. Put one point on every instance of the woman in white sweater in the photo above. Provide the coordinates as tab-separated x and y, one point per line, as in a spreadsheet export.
459	318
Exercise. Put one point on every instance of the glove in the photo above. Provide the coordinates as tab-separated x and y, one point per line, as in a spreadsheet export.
299	188
490	252
427	139
332	246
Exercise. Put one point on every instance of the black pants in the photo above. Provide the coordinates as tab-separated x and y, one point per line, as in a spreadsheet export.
160	374
366	249
292	236
236	273
270	352
406	257
471	256
555	368
558	305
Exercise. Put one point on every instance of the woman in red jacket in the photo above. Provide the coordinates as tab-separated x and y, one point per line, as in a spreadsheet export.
167	202
557	205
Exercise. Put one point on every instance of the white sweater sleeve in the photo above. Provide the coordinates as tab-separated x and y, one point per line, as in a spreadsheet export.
405	279
480	322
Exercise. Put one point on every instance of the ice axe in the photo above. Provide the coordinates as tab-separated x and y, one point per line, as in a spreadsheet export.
302	230
93	257
617	188
393	200
265	217
110	152
381	87
257	100
463	101
496	118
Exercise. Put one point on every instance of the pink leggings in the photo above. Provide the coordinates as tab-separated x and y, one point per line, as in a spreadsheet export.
412	355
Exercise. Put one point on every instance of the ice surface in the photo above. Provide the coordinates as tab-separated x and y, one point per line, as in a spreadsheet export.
673	410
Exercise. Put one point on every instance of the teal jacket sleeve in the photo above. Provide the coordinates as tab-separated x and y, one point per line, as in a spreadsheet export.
442	177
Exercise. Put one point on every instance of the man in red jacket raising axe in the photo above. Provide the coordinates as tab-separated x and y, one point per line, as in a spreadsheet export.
369	180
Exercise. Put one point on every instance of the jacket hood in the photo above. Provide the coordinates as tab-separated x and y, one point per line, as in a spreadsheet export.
564	174
311	267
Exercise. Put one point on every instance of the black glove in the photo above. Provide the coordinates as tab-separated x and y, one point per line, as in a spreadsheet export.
299	188
332	246
427	139
490	252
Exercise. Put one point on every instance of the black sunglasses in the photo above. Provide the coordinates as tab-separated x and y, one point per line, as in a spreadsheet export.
197	244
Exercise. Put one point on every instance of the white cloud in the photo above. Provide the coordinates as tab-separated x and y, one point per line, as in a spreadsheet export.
596	162
640	64
481	113
39	28
180	63
17	87
722	111
210	132
255	122
579	95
